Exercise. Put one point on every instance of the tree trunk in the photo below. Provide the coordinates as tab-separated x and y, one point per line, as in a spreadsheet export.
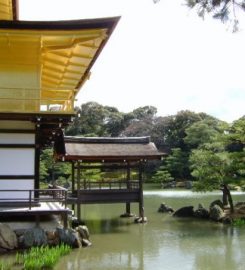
224	198
227	196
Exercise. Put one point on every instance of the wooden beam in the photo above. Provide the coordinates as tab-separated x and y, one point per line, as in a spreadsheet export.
16	177
17	145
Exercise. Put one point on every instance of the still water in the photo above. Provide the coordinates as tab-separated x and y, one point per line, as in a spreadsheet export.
164	242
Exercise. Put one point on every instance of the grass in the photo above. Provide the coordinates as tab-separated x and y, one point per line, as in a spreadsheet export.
38	258
5	266
238	222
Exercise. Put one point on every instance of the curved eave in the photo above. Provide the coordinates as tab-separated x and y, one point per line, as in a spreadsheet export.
50	61
108	24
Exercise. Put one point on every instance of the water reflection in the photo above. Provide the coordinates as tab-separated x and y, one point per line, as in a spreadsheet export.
163	243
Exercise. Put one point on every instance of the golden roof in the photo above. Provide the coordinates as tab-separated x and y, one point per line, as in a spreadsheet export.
44	64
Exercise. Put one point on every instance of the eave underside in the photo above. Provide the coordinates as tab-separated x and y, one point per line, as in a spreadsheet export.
44	64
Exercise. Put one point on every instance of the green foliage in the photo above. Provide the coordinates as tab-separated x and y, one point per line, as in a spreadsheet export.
91	174
224	10
162	176
177	163
93	120
38	258
178	135
210	169
5	266
238	222
50	170
204	132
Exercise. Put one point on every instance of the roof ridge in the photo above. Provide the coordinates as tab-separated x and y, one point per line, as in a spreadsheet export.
122	140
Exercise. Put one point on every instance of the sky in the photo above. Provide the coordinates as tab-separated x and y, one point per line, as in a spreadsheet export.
161	55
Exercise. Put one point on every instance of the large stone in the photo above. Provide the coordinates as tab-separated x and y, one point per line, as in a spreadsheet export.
216	213
69	237
186	211
217	202
34	237
201	212
86	243
83	231
8	238
53	238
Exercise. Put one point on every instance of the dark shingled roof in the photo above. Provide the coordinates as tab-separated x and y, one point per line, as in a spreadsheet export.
110	149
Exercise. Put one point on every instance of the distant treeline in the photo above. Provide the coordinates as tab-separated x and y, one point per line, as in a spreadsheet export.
193	141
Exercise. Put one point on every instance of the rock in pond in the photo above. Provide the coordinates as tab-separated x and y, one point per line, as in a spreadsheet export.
69	237
163	208
201	212
186	211
216	213
217	202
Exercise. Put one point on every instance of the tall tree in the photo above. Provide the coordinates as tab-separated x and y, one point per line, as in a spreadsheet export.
142	122
177	164
204	131
212	170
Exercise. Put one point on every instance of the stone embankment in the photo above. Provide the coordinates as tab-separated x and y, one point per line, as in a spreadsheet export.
37	236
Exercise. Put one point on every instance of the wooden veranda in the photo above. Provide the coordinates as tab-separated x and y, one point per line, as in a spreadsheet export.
108	154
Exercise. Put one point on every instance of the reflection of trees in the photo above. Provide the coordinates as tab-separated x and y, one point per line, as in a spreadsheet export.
163	243
221	255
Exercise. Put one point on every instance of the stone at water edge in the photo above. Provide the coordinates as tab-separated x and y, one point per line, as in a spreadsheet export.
69	237
8	238
53	238
216	213
186	211
163	208
35	237
83	231
86	243
217	202
201	212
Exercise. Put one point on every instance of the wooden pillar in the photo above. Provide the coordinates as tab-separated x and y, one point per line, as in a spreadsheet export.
128	210
141	200
78	191
73	182
37	160
65	220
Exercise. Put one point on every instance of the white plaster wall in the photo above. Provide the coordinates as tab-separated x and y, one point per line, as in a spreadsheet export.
17	161
14	138
15	184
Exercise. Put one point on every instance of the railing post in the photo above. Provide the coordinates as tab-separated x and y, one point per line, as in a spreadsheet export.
29	199
65	198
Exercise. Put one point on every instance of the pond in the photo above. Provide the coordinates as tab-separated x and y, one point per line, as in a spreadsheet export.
164	242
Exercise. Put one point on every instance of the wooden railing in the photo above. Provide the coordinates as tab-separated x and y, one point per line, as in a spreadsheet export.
31	197
36	100
127	185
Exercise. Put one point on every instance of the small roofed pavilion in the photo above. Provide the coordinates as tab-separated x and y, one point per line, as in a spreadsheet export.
107	154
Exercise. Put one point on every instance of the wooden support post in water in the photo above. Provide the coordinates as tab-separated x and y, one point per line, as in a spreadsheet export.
78	192
128	210
141	200
73	182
